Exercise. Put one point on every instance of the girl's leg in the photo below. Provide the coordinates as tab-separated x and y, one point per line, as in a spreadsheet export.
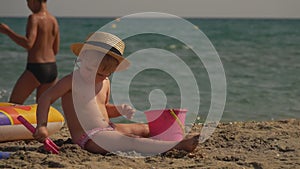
24	87
112	141
43	87
137	129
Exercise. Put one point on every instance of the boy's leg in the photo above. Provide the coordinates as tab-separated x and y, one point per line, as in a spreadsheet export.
43	87
137	129
23	88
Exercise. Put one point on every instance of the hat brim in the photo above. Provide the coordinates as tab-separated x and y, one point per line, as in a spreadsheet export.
76	48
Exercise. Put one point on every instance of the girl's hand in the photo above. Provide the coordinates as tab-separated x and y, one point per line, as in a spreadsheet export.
126	111
41	133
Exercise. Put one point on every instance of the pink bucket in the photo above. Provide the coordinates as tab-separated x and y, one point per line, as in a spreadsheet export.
166	124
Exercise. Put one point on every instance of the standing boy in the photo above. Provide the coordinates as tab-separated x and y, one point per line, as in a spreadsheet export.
42	45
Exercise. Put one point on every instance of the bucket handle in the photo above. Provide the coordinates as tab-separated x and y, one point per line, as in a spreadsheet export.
177	120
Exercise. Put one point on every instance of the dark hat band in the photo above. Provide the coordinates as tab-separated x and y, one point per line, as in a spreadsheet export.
104	45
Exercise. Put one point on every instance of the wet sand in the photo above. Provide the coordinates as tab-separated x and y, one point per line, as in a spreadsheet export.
272	144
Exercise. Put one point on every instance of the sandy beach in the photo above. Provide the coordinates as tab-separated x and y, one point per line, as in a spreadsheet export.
272	144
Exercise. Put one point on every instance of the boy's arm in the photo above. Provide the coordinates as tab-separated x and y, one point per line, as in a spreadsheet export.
57	39
24	41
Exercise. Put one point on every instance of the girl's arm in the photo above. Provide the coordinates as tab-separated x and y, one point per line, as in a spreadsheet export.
118	110
50	96
44	103
112	110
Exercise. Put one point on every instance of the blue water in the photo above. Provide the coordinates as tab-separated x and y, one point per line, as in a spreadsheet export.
261	59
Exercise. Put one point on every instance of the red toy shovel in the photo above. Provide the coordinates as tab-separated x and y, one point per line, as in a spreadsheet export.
48	143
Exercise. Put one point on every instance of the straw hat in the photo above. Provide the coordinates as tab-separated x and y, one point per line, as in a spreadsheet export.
106	43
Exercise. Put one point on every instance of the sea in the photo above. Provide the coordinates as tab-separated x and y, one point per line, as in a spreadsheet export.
260	59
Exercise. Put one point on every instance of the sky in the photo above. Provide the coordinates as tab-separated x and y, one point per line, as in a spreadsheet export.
182	8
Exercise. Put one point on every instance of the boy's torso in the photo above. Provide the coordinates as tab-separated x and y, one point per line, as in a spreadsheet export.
42	49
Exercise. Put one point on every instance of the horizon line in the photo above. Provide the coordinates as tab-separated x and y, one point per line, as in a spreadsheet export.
151	17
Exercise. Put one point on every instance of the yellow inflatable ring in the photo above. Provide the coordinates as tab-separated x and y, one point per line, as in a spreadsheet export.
12	129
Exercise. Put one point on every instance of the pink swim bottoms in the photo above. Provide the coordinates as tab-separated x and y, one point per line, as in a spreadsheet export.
87	136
